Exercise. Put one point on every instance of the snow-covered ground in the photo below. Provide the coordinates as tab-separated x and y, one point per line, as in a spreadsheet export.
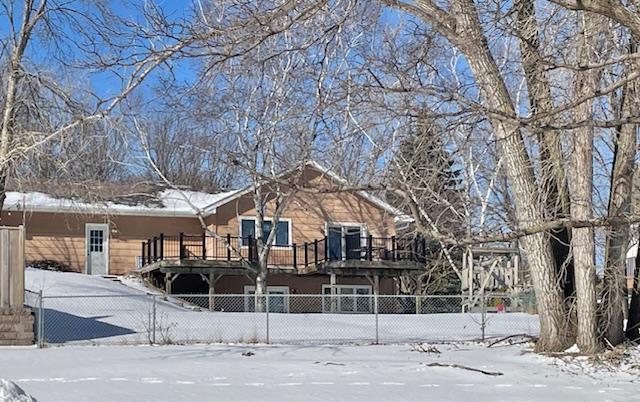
119	314
306	373
11	392
86	309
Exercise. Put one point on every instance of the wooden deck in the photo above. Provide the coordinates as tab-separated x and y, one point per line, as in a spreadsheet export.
362	268
206	267
167	257
346	268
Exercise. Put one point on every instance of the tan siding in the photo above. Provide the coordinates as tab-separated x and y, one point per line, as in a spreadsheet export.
309	213
61	237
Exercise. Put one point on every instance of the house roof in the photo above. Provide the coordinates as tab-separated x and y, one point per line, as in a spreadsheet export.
168	202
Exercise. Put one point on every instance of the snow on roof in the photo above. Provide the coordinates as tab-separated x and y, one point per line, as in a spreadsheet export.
169	203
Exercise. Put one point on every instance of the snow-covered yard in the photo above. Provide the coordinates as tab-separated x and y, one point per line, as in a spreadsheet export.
234	372
84	309
306	373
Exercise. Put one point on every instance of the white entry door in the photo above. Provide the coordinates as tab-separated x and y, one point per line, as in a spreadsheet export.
97	246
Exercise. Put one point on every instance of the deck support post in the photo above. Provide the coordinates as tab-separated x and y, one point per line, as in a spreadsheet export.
211	280
334	300
212	291
376	285
168	278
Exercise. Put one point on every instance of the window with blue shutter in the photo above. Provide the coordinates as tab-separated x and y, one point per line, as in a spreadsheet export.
248	228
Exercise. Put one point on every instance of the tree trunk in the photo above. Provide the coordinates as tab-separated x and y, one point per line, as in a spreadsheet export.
7	129
582	241
580	190
554	333
261	251
615	294
553	184
261	291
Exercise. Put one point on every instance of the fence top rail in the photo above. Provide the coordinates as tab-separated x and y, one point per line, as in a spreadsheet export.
117	295
295	295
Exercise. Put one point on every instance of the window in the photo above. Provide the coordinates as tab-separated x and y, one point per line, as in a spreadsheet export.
96	241
348	299
248	228
278	299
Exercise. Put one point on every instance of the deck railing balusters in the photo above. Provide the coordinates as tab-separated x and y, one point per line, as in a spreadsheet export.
181	246
206	247
295	256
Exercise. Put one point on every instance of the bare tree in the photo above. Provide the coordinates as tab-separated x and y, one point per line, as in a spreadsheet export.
78	35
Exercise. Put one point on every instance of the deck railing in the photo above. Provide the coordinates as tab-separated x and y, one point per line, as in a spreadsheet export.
233	248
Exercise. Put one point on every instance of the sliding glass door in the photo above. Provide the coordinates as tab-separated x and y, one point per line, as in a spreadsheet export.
344	241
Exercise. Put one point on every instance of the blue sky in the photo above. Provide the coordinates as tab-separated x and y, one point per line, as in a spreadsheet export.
104	83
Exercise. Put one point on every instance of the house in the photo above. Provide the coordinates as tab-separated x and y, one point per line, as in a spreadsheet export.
326	241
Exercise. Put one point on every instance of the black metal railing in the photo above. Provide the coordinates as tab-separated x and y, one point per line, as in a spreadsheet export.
231	248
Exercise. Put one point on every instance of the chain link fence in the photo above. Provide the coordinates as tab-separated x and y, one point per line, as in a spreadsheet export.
279	318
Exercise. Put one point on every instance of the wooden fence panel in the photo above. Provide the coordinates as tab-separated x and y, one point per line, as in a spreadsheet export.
11	266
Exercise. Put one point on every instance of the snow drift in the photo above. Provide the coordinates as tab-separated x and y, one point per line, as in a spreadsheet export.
10	392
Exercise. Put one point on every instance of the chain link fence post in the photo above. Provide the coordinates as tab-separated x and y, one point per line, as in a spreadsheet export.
149	319
40	321
153	319
375	310
267	297
483	314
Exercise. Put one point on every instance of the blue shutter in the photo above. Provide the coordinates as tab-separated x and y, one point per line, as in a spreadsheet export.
248	228
282	234
266	229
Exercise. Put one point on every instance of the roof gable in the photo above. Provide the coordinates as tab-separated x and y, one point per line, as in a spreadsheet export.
379	203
